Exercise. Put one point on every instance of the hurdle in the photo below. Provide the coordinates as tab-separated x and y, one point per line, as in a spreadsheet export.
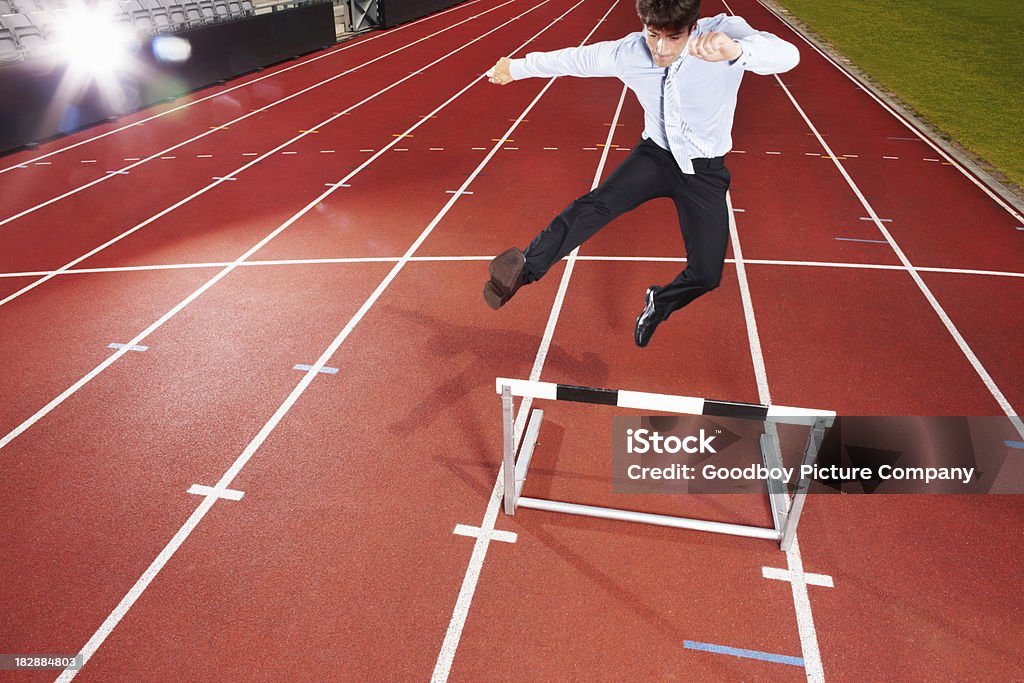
785	513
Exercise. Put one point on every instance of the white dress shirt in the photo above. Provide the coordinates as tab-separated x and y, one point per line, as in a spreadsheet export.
689	105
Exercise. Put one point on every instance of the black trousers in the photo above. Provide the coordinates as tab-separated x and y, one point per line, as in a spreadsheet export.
647	173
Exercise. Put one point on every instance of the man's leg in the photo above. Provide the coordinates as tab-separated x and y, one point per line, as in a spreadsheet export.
647	172
704	221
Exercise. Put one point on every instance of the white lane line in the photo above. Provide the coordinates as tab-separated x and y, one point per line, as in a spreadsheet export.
229	476
225	493
823	580
304	62
492	534
325	370
392	259
133	347
910	126
965	348
801	600
319	84
813	667
446	656
256	161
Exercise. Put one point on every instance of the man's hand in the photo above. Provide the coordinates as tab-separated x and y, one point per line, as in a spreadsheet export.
715	47
500	74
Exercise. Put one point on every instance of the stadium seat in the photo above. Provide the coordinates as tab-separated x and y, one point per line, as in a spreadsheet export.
28	35
193	14
206	7
9	51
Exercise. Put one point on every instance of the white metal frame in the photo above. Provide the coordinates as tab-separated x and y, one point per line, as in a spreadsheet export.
785	514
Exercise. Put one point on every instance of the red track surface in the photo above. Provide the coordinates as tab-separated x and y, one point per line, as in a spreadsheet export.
340	560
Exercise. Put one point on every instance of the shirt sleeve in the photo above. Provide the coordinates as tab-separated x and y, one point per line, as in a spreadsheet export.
763	53
599	59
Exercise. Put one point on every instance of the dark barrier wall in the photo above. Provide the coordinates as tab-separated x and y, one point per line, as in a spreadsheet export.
394	12
34	105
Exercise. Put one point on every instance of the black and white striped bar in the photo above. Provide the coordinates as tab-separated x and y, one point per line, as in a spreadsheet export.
663	403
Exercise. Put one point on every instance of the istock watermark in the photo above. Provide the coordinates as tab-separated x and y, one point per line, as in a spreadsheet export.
859	454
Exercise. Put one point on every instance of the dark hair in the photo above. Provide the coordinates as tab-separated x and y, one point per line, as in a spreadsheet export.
668	15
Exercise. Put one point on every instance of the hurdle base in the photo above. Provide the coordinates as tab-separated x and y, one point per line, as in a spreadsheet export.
649	518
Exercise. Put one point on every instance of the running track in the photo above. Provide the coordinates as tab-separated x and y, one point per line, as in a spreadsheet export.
338	211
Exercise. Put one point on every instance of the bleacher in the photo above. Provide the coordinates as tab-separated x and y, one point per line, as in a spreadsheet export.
28	28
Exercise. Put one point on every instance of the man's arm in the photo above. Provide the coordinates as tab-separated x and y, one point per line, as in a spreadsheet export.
757	51
586	61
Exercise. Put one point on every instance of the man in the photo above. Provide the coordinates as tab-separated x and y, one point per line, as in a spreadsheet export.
685	72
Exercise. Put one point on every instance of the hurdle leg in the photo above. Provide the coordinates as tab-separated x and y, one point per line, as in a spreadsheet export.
526	450
508	456
776	488
814	440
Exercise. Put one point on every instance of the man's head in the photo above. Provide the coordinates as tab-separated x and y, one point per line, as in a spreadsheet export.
667	25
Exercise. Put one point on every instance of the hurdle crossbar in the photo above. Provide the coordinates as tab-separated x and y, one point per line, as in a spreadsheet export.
785	513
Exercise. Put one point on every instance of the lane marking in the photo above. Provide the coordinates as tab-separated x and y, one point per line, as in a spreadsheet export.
133	347
324	370
491	534
1014	444
453	635
212	491
386	259
778	574
854	239
880	220
744	654
814	669
457	192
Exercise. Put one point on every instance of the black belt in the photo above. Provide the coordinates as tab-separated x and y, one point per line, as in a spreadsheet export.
714	164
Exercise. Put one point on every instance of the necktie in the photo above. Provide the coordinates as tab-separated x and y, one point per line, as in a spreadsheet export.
681	140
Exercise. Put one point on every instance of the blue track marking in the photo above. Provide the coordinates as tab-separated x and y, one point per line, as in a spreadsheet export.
1014	444
748	654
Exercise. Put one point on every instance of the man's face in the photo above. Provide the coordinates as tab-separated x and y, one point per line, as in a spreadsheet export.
665	45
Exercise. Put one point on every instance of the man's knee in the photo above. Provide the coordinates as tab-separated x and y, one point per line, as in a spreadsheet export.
707	280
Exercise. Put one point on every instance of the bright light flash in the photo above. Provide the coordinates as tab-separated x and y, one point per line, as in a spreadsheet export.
92	42
171	49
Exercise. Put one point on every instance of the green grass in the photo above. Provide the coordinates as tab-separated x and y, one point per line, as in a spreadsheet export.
957	63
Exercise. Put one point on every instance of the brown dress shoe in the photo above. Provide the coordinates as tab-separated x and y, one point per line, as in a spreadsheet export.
508	274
